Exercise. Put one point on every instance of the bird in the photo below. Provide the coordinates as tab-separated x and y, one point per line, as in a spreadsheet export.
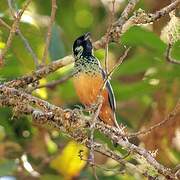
88	79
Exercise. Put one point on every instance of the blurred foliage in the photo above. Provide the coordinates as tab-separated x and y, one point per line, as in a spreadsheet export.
146	88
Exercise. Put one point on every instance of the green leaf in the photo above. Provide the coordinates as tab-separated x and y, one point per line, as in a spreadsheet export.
176	50
133	90
137	36
56	47
140	62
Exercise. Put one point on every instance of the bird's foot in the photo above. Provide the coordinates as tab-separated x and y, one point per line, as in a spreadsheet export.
91	108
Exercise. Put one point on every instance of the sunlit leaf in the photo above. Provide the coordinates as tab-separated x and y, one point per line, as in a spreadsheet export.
42	92
68	161
137	36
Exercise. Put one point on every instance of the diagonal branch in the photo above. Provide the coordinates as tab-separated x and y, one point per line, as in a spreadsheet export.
13	31
164	11
40	73
169	117
53	84
25	41
49	32
116	29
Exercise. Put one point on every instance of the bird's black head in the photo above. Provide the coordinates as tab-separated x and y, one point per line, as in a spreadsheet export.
82	46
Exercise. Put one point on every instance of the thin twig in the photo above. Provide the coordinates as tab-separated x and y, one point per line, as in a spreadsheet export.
115	171
53	84
25	41
28	47
92	128
40	73
107	77
10	4
108	38
13	31
5	24
168	55
49	31
164	10
123	21
106	57
121	59
125	14
171	116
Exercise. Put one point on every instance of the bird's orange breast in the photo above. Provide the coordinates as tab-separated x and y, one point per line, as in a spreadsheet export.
88	87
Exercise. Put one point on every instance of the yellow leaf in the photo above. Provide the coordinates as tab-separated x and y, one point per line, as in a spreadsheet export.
42	92
68	162
2	45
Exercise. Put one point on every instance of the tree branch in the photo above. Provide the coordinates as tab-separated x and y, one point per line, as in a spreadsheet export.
169	117
40	73
168	55
73	123
116	29
53	84
48	36
13	31
25	41
44	71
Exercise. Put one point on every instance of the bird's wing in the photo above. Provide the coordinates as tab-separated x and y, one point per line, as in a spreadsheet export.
111	97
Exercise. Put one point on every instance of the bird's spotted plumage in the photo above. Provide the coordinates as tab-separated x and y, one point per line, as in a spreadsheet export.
89	78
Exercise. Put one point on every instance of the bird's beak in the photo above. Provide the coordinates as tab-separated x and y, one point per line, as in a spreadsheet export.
87	36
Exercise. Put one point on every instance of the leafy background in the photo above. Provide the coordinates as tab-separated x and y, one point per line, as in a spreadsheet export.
146	88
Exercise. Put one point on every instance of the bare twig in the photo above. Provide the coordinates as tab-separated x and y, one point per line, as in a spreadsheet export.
92	128
125	14
10	4
115	171
49	31
39	74
164	11
114	68
117	26
168	55
170	117
106	57
5	24
107	37
56	82
28	47
25	41
120	61
13	31
144	18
